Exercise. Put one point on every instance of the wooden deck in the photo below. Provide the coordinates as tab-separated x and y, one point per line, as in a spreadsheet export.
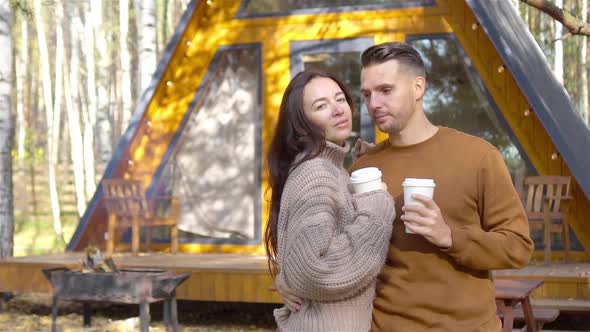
214	277
245	278
566	285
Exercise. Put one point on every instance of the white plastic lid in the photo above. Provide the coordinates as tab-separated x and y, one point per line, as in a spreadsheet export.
365	175
414	182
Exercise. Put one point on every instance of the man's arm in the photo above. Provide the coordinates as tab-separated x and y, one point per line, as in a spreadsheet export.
503	240
500	241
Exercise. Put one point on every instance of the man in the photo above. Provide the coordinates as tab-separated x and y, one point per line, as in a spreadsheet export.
438	279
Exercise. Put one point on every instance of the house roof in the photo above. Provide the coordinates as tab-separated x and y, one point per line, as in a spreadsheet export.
547	97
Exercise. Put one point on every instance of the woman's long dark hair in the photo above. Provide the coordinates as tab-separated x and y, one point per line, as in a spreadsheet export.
294	135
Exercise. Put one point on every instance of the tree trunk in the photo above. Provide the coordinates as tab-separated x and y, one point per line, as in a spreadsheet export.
126	96
162	25
6	132
583	104
48	101
90	111
73	111
146	14
57	112
22	66
558	57
103	127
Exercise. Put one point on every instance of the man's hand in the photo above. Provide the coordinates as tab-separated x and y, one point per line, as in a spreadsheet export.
427	221
360	148
292	301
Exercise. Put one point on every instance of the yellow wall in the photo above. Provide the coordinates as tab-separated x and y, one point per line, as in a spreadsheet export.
214	26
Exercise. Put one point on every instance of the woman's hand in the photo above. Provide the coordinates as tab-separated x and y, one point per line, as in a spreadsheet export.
292	301
360	148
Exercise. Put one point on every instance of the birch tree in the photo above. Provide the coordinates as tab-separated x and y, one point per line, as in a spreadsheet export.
126	96
558	55
91	105
48	103
146	19
6	132
583	102
22	64
72	100
103	124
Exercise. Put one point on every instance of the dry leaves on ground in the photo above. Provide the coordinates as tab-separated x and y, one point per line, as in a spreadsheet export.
32	313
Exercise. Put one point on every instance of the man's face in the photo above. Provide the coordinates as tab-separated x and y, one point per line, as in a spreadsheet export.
389	90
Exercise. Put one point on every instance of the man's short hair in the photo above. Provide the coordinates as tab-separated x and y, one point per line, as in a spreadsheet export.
402	52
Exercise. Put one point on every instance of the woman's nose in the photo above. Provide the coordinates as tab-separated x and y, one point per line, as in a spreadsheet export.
338	109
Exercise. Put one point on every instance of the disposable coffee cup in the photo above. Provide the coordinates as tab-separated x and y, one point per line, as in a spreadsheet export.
416	186
366	179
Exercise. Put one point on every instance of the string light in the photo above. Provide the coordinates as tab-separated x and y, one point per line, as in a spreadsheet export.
500	69
554	156
527	112
474	26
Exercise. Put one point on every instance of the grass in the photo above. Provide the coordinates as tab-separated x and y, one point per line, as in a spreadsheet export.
34	235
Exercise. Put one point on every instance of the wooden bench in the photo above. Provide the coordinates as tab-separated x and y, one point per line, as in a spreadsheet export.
542	316
514	304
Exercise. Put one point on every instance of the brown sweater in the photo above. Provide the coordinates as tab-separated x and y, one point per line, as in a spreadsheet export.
423	287
331	246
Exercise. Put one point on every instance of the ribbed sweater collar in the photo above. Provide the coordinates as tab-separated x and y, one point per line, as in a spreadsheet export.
335	153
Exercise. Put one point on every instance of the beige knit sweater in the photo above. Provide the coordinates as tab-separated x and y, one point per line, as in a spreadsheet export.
331	246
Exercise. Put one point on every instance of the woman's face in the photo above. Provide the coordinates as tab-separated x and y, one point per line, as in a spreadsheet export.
325	105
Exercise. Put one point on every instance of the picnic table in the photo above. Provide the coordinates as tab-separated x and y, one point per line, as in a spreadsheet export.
513	302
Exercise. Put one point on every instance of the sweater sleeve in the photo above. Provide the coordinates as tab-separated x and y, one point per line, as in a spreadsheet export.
322	262
503	239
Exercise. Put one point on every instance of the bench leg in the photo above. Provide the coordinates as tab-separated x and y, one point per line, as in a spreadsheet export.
566	235
87	314
111	230
135	235
148	237
529	319
174	239
54	314
144	317
506	308
547	231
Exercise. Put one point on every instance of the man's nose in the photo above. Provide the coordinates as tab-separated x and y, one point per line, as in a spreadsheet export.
372	102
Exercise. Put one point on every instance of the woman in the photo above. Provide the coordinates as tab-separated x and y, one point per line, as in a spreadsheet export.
328	244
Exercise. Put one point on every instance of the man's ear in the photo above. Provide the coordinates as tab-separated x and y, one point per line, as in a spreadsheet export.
419	87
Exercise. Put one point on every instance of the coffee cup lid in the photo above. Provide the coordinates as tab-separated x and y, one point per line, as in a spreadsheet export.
418	182
365	174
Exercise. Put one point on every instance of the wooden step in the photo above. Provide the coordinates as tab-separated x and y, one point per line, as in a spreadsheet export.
542	315
564	305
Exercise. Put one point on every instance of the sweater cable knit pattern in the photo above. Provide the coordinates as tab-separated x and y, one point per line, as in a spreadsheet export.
331	245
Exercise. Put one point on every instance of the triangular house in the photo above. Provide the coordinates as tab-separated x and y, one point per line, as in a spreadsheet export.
201	129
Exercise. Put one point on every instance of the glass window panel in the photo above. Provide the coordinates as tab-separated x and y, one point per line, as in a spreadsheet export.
456	98
279	6
215	168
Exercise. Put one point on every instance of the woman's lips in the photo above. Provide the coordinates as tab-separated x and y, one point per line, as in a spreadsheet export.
342	123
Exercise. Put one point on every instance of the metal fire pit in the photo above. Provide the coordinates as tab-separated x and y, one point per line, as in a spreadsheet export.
126	286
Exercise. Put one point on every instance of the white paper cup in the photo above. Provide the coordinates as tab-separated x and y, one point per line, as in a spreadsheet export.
416	186
366	179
